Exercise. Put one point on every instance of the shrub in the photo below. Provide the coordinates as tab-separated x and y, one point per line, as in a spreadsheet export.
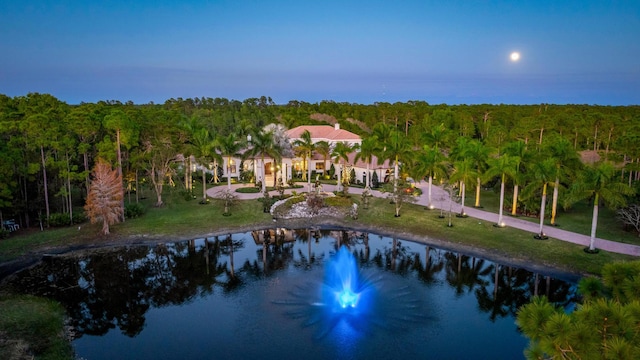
59	219
133	210
187	195
79	217
315	203
248	190
332	171
375	182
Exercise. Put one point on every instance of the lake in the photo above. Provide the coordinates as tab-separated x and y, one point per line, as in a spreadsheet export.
260	295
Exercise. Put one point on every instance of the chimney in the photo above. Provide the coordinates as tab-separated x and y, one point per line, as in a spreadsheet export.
336	126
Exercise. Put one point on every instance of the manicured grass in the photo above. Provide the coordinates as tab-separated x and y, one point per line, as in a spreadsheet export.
32	327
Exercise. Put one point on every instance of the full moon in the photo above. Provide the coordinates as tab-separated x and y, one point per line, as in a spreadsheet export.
515	56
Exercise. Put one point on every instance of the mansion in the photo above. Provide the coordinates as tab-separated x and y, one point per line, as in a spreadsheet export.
292	166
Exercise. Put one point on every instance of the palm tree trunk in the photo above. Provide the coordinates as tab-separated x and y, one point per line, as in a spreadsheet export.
501	201
309	173
478	185
368	182
462	189
187	170
429	205
395	176
305	166
263	180
594	224
514	205
542	204
554	203
204	186
229	172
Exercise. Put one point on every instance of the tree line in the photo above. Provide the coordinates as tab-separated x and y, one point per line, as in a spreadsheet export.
48	147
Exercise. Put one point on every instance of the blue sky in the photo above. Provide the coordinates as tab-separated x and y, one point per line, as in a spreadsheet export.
454	52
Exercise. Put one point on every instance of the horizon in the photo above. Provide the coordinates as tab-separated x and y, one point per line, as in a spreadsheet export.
362	52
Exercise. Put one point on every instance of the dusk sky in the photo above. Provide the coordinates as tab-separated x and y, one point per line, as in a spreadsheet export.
453	52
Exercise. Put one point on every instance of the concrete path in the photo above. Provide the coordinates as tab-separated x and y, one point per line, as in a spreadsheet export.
440	200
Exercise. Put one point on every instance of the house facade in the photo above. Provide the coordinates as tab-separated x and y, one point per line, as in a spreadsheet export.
290	166
334	135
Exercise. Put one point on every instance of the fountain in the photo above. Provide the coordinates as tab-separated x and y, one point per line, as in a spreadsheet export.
342	287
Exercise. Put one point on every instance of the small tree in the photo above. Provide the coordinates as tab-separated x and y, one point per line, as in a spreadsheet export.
228	198
366	194
399	195
104	202
375	182
630	216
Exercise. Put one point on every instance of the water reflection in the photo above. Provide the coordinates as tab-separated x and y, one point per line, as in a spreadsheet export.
117	288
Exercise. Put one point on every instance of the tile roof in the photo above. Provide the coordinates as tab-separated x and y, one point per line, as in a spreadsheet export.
323	132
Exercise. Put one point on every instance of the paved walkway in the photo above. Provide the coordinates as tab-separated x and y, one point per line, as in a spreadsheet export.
440	200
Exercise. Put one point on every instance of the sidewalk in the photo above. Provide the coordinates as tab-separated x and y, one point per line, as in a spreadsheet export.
440	200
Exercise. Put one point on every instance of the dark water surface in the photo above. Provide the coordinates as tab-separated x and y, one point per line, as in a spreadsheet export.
230	297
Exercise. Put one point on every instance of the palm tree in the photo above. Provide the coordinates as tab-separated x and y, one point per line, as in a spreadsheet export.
437	137
567	162
262	143
479	153
341	152
229	146
541	173
323	148
430	163
396	149
367	149
600	182
305	147
503	166
517	150
203	148
463	173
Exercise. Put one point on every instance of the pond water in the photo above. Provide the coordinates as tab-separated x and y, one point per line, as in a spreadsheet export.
233	297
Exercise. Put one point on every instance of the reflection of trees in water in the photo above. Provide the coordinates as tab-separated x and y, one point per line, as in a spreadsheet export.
105	289
116	287
512	287
434	263
465	273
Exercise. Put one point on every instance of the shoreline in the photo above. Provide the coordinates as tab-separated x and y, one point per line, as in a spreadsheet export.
7	269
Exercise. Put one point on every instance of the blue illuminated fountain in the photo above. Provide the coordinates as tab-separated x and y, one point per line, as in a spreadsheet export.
351	303
343	288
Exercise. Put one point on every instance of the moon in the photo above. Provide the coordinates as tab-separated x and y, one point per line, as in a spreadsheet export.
515	56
